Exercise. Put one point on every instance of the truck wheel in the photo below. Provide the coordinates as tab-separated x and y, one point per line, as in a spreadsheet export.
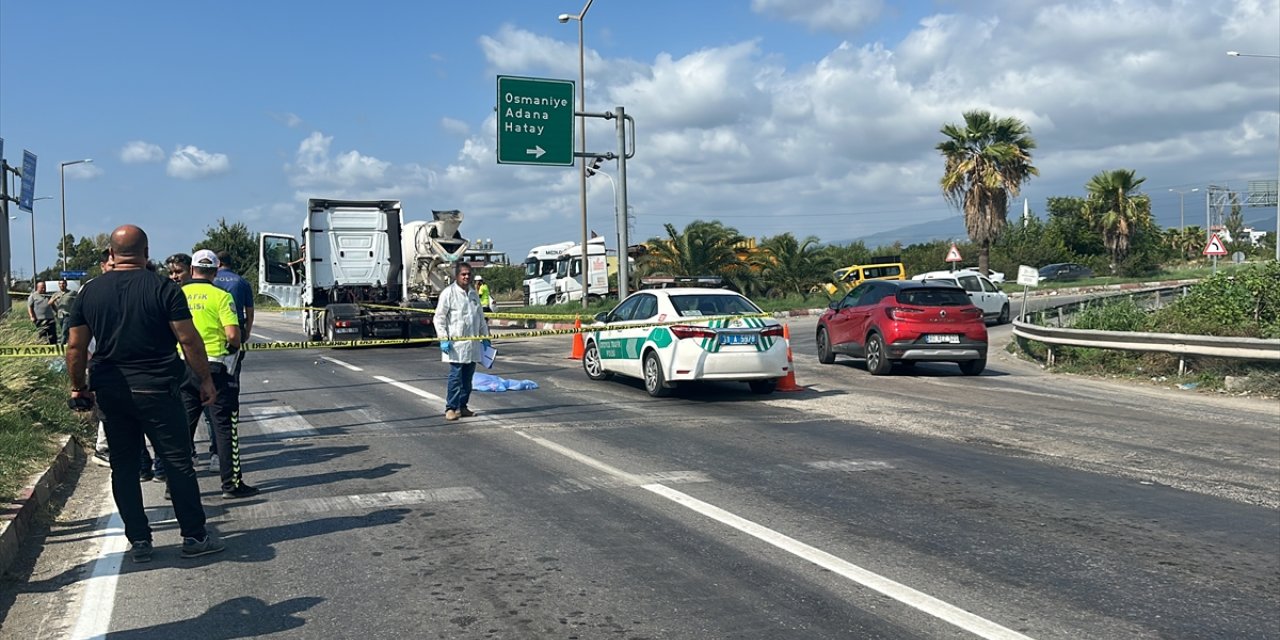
551	299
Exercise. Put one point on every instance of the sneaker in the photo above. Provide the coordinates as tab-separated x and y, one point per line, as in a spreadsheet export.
158	476
166	494
146	476
140	551
242	491
465	412
193	548
214	467
450	414
101	459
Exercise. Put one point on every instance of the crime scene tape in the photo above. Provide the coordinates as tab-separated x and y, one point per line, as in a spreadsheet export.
501	315
53	350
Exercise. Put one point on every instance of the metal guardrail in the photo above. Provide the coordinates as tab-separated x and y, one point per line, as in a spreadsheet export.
1178	344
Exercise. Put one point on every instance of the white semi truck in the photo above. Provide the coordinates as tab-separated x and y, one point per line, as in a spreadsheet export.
569	271
540	273
360	271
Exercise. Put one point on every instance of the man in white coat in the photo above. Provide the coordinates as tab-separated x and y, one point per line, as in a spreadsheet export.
459	314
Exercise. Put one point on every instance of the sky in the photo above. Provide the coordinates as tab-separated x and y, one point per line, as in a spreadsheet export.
816	117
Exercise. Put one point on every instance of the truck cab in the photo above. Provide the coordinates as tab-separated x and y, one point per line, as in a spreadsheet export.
540	273
569	271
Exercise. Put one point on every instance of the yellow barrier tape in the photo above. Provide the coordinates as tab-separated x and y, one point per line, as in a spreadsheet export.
501	315
53	350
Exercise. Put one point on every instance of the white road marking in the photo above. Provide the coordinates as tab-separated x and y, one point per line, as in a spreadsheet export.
327	504
341	363
928	604
280	422
411	389
849	465
574	485
921	601
259	334
99	597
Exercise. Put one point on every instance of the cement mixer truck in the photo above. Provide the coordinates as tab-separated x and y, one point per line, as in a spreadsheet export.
360	271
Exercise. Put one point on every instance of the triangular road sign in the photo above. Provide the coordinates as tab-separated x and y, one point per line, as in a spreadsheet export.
1215	246
954	254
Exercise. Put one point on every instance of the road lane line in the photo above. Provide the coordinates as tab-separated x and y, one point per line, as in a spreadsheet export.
259	334
100	589
341	363
921	601
278	422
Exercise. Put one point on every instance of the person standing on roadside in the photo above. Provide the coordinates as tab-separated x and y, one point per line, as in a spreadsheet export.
482	289
42	314
459	314
138	322
213	312
178	268
62	302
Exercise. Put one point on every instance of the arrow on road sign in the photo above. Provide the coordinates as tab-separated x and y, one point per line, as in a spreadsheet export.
1215	246
536	151
954	254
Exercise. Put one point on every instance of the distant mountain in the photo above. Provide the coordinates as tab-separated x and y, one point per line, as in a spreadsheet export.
944	229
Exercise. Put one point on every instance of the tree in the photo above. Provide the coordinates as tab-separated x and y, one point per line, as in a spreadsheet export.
987	162
236	240
1115	209
793	266
703	248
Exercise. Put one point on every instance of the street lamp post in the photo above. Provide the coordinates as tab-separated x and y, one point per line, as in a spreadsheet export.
1237	54
582	140
62	178
1182	211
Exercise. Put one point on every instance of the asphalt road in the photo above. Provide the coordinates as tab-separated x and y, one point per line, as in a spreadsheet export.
926	505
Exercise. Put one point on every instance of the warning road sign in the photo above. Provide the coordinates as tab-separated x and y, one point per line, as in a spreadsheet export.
1215	246
954	254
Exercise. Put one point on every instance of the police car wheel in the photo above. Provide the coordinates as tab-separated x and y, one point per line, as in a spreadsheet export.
591	363
654	382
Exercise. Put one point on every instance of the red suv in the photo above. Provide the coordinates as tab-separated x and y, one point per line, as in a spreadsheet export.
891	322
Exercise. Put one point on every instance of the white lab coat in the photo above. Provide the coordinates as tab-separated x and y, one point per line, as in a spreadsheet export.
459	314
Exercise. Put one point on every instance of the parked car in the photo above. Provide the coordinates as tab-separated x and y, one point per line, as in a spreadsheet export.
1065	271
703	335
983	292
903	322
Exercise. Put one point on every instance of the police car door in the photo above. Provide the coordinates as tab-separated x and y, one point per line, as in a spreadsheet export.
609	342
633	337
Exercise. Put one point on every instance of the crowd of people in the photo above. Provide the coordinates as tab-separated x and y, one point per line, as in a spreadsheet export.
152	355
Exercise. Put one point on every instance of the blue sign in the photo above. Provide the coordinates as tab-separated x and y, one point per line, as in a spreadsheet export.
28	181
74	275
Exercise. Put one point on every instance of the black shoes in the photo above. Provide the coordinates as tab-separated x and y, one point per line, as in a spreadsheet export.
140	551
242	491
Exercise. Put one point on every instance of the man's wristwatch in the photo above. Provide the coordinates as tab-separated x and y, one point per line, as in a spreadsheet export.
79	389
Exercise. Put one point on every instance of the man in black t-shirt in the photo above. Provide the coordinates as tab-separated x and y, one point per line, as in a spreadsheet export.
138	321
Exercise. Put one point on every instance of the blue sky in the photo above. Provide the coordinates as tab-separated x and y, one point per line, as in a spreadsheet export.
812	116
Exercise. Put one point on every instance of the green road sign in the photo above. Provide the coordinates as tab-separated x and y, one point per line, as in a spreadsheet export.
535	121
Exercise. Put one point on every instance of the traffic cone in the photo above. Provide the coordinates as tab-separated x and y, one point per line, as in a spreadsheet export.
788	383
578	346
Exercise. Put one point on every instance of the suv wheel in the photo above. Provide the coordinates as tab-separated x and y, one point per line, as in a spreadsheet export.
1004	314
825	354
972	367
877	360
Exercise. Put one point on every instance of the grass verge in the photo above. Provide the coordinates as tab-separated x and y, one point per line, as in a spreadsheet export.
33	409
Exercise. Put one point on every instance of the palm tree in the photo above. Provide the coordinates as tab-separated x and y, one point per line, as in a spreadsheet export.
794	266
1114	208
703	248
987	162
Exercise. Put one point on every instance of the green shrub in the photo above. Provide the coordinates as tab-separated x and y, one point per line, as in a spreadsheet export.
1243	303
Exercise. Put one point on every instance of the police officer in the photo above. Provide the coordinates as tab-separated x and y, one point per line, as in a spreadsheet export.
214	313
482	289
138	320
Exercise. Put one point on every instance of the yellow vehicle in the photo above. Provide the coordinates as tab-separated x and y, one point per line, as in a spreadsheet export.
853	275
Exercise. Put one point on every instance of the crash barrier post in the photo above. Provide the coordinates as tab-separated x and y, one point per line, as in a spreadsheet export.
788	382
579	346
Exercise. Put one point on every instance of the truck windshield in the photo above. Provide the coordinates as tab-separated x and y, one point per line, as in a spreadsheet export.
531	268
562	268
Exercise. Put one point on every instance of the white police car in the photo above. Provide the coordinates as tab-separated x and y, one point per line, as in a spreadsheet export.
666	336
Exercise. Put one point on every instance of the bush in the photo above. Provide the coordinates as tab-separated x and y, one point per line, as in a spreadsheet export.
1244	303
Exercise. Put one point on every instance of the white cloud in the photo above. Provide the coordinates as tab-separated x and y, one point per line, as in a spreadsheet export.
839	16
456	127
318	172
192	163
140	152
82	171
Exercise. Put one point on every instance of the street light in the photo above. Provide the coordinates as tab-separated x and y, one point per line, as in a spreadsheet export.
62	178
582	140
1182	216
1237	54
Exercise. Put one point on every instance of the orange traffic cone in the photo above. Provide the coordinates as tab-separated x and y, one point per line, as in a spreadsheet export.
788	383
578	346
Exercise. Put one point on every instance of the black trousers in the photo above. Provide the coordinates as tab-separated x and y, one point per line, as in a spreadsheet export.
224	416
127	415
48	331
